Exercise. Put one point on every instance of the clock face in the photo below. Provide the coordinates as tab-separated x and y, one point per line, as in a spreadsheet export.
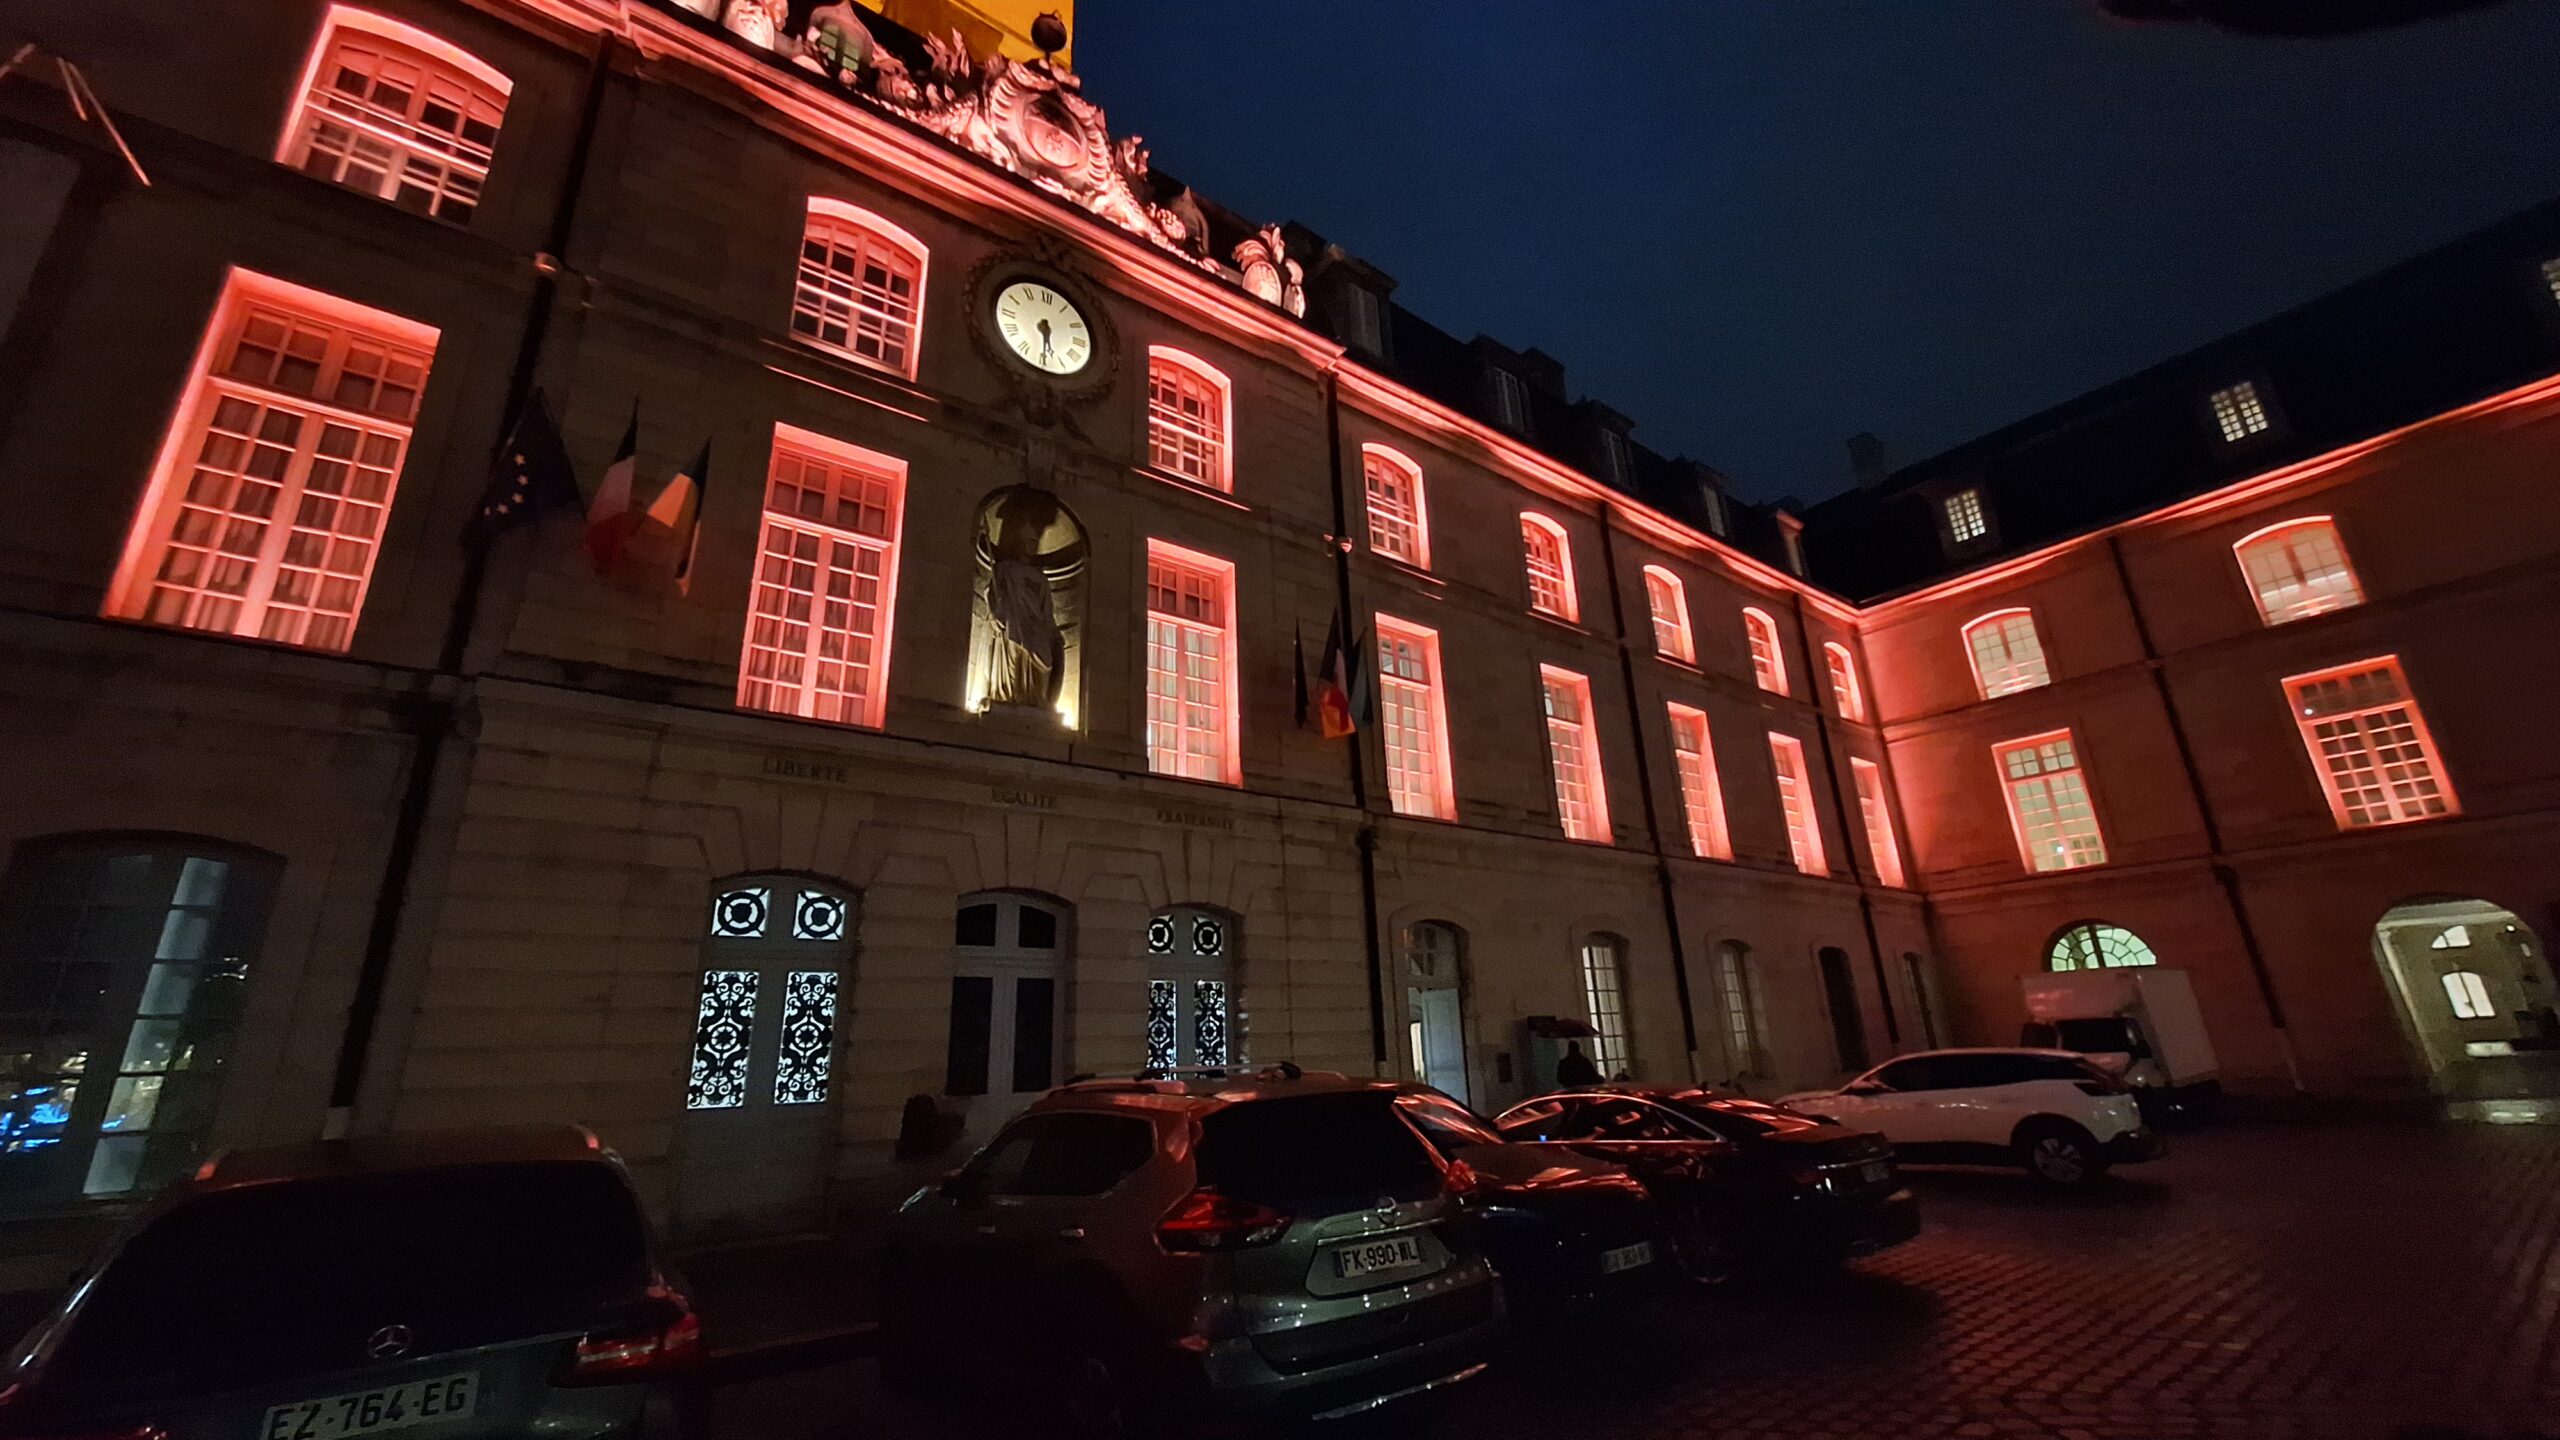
1042	327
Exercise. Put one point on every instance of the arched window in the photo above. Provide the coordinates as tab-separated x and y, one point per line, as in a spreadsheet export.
2298	569
1549	557
1845	690
861	289
1414	720
2007	655
1399	522
126	965
2452	937
1604	997
2097	945
1191	666
2470	996
1768	662
776	948
1191	1012
1573	756
818	621
1668	599
1188	414
1007	962
390	110
1746	1025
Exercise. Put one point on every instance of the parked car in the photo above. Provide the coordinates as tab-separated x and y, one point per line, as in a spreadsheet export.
1746	1182
490	1283
1275	1245
1565	1231
2065	1120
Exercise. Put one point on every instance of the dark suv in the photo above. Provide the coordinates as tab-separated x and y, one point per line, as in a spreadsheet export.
1278	1244
484	1284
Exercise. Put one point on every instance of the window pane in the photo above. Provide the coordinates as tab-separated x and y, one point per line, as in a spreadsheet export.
1186	422
807	1053
1034	1034
724	1022
391	120
858	291
972	1015
819	605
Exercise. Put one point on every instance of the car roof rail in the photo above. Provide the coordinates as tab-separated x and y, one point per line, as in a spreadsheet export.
1172	1076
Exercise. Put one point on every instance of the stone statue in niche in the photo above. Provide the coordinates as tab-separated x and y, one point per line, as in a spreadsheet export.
1025	629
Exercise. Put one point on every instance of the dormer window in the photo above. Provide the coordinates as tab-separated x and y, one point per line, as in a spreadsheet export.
1362	325
1510	400
2551	278
2238	412
1967	521
1717	521
1616	457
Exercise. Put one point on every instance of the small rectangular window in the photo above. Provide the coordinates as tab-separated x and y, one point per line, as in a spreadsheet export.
2370	745
1877	816
817	643
1701	796
1795	798
2049	805
1191	695
1573	753
1414	722
1967	521
2238	412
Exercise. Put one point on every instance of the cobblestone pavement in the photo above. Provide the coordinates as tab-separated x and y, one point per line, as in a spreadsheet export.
2336	1282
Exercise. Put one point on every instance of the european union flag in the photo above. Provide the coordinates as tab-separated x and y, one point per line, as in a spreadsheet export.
530	476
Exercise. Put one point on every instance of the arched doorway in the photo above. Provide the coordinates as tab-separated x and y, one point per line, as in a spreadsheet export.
1191	1018
2476	992
1432	954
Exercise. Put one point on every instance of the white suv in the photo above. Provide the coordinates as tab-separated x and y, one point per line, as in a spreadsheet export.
2051	1111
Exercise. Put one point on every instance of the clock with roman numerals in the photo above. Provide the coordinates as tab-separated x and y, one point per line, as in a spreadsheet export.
1040	323
1043	328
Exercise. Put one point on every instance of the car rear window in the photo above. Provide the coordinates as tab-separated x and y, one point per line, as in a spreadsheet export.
1737	1120
268	1282
1063	1154
1305	1152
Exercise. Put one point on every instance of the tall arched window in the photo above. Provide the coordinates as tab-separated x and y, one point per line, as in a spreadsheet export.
1007	965
2006	652
2097	945
1399	520
1604	998
1549	557
1846	693
819	617
1668	599
1746	1025
1191	1010
390	110
124	968
2298	569
861	288
1188	419
1768	662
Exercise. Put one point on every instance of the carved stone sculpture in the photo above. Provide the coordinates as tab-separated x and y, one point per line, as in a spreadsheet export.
1031	566
1269	272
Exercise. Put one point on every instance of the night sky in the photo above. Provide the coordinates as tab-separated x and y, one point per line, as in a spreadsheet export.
1759	226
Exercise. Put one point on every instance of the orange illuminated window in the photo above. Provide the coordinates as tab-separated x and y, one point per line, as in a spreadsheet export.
2370	744
265	512
1415	722
1844	681
1877	816
1700	796
1768	665
826	575
1573	751
861	289
2049	805
1550	562
392	111
1191	675
1669	601
1795	798
2298	569
1187	413
2007	655
1398	527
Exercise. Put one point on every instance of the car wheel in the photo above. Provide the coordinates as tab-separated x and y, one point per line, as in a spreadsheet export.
2059	1153
1702	1245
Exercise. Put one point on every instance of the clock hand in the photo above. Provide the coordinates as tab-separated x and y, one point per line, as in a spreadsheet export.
1044	337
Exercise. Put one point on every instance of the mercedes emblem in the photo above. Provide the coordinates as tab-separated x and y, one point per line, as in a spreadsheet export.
388	1343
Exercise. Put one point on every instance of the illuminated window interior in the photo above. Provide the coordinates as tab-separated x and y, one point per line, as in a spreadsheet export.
1966	519
1191	681
2049	803
1415	723
1795	800
2007	654
861	287
2298	569
2096	945
2370	744
1768	664
1876	815
1550	564
1604	999
1701	794
826	569
1187	419
2452	937
1668	600
1845	692
2238	412
1573	753
266	511
395	112
1398	528
2470	996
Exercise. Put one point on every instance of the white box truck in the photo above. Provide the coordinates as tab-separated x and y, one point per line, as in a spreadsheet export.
2140	1022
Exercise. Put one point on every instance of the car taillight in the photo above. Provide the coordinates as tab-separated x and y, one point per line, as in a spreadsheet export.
620	1357
1207	1220
1460	1180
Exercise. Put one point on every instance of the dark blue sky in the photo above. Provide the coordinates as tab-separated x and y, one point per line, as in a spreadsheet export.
1758	226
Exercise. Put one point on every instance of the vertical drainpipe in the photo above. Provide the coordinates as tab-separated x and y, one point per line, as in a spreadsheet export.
2223	875
1340	543
426	714
1840	812
1644	782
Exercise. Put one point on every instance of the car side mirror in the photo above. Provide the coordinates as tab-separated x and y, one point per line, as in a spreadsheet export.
1863	1087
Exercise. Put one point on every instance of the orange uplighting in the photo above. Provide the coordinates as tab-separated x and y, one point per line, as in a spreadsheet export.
2369	742
1573	754
1768	662
1548	554
1414	719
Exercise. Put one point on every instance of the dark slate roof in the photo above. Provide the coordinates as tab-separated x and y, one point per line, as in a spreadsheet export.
2457	324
